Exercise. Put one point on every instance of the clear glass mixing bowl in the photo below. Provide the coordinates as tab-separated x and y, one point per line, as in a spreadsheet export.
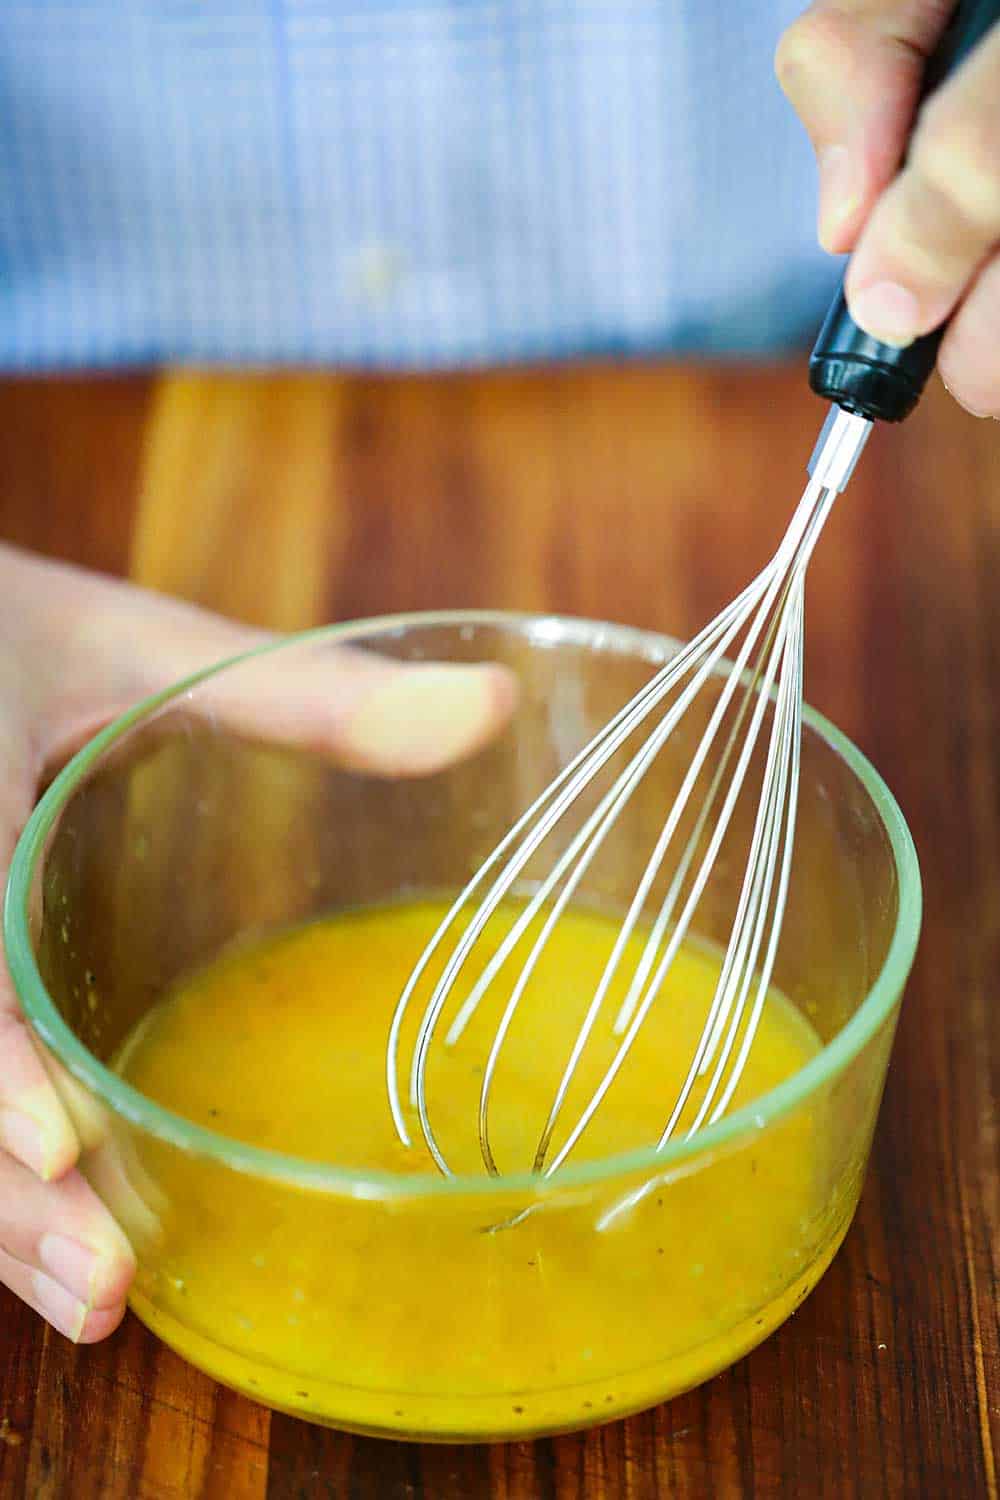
179	830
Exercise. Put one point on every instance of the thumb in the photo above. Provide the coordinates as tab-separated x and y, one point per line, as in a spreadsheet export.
851	70
368	711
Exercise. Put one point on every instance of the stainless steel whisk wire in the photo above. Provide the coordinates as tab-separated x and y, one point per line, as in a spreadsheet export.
771	611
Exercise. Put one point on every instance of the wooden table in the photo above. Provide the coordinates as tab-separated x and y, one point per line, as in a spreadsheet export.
647	496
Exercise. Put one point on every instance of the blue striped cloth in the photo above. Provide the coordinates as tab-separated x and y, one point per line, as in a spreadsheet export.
399	183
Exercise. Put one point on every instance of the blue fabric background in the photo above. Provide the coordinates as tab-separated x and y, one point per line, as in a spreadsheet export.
399	182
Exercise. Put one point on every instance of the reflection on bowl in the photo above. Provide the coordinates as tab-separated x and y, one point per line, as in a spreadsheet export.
363	1291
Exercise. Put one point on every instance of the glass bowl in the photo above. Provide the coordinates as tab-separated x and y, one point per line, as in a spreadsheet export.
183	829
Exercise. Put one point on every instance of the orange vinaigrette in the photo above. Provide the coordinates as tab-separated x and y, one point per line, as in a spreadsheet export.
396	1313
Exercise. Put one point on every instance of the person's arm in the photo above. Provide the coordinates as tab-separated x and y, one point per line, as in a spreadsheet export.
924	238
75	650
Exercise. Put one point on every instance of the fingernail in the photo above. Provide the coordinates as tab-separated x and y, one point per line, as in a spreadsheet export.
23	1137
887	311
423	719
839	191
64	1311
72	1264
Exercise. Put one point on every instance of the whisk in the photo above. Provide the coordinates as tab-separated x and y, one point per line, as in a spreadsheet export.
752	653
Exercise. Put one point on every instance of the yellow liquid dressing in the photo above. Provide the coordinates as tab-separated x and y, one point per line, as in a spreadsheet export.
385	1308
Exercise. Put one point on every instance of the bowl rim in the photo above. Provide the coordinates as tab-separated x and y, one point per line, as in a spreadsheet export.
547	629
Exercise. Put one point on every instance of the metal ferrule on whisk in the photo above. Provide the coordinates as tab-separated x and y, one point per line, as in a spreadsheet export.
839	446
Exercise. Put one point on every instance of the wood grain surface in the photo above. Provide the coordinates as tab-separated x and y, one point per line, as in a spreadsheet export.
646	495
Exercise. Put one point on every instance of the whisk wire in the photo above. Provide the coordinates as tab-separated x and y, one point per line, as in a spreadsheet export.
683	922
774	815
607	741
666	911
596	755
767	620
782	584
608	813
767	967
605	815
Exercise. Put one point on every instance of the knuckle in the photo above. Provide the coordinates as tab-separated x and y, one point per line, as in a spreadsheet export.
954	153
13	1032
818	42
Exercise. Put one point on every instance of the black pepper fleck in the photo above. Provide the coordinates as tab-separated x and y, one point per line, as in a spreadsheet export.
517	1409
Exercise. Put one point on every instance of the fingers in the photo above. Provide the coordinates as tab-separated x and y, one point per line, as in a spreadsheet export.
34	1127
61	1251
937	222
969	359
851	70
